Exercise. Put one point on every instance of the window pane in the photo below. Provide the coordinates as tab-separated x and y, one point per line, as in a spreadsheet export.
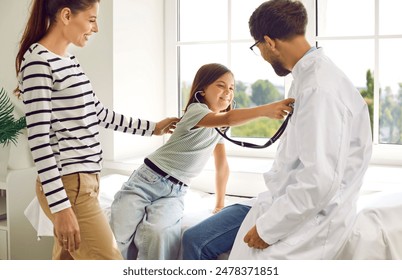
192	57
248	67
241	12
390	17
256	84
203	20
390	92
356	59
345	17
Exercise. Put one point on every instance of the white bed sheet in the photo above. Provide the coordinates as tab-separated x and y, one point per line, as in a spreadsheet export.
198	205
377	233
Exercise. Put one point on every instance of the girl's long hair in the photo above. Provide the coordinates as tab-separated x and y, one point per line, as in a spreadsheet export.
43	14
205	76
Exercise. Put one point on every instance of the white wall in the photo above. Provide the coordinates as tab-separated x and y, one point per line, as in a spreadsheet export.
124	62
138	37
13	15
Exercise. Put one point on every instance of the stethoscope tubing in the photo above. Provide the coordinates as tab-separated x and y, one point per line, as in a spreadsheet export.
271	141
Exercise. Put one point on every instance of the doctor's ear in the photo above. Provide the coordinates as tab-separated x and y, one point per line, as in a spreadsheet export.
270	42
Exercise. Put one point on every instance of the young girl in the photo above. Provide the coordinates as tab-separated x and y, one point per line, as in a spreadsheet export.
63	116
147	211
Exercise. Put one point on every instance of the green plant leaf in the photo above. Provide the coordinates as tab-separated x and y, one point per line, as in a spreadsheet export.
9	127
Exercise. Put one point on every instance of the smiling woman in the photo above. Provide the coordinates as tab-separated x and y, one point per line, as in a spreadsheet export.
82	25
79	15
63	116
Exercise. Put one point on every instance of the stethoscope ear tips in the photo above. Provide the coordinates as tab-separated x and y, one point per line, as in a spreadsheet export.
196	97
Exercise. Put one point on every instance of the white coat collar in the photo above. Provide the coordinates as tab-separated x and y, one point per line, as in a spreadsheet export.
305	62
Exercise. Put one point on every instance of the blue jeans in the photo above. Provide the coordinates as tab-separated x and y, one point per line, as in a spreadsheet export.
146	216
215	235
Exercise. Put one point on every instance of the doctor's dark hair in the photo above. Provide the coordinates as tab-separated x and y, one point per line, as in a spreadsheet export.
278	19
43	14
205	76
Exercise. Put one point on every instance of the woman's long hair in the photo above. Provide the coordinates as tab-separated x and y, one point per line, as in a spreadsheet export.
205	76
43	14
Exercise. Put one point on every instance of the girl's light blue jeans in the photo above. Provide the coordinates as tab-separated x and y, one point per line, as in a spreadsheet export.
146	216
215	235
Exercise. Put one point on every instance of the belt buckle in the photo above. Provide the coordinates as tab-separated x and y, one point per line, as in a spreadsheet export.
175	181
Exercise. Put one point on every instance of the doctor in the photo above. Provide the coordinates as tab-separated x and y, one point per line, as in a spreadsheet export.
310	205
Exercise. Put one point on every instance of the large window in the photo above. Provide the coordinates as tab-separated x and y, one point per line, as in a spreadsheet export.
363	37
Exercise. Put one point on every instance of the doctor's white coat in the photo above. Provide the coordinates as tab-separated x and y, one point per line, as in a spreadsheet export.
310	206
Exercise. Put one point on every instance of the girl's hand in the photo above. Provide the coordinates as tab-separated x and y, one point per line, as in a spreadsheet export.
165	126
217	209
280	109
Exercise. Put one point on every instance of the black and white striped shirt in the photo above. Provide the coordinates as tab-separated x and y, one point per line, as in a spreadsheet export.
63	116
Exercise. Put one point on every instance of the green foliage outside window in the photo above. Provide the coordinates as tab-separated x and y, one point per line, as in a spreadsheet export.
391	116
262	92
390	110
368	94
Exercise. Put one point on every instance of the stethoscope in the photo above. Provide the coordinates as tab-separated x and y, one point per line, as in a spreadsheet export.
271	141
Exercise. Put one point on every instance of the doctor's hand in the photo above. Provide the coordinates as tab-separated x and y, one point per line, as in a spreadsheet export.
165	126
253	240
67	230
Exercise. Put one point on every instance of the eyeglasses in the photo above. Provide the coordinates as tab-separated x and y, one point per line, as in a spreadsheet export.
255	49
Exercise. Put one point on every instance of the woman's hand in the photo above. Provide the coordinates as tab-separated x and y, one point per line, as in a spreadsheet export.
67	230
166	126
